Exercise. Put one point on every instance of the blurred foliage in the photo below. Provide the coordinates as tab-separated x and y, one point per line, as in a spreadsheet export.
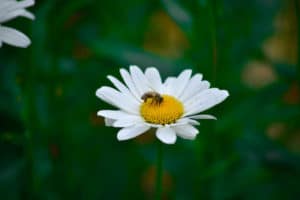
54	147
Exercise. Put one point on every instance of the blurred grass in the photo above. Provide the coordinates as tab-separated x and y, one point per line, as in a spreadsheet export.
54	147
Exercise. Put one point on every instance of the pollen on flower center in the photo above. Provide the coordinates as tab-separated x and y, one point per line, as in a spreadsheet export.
165	112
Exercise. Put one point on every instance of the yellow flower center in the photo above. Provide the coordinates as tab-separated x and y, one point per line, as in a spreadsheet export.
165	112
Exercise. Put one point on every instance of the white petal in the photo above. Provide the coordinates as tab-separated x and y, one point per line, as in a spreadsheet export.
118	84
205	100
169	80
181	82
101	95
7	7
186	131
109	122
114	114
122	88
25	3
16	13
166	135
4	5
202	117
13	37
194	87
185	121
169	85
128	81
21	4
104	98
117	99
28	15
131	132
181	121
193	122
139	79
154	79
128	121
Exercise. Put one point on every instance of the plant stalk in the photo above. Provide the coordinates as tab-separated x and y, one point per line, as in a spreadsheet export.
159	171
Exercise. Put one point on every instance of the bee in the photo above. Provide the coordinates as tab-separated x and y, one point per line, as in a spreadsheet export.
156	97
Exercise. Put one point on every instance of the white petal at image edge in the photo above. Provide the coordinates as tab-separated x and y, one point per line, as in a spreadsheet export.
13	37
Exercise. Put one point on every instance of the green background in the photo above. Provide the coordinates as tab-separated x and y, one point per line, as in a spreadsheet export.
53	146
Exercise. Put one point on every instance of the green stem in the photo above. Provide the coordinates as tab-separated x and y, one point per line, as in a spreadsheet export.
217	180
159	170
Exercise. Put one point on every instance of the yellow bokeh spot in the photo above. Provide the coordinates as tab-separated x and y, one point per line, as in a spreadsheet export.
166	112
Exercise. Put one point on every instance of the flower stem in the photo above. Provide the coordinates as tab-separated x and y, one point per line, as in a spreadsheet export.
159	169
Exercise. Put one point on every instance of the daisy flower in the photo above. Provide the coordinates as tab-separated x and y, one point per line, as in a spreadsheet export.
10	9
145	101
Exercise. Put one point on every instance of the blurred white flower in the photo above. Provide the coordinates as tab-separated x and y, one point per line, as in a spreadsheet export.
10	9
145	102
